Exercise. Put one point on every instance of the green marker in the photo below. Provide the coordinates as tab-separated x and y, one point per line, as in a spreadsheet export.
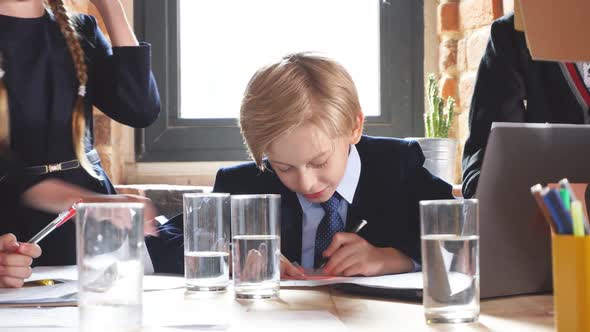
565	198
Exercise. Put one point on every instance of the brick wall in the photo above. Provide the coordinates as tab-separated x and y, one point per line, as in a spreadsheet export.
463	29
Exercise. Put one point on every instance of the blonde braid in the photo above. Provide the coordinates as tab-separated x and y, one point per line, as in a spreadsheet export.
4	115
78	119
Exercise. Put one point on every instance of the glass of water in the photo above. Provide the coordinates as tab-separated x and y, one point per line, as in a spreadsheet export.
109	239
450	260
206	241
256	247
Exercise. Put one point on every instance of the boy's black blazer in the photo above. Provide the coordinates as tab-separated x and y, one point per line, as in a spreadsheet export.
391	184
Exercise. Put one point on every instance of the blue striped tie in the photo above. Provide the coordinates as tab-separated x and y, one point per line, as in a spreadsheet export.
331	224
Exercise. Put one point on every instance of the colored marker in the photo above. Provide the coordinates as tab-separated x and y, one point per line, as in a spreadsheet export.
578	218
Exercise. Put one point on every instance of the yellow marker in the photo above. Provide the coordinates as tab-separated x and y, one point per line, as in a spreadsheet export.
578	218
42	282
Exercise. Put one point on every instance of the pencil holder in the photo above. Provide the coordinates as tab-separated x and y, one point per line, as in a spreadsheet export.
571	282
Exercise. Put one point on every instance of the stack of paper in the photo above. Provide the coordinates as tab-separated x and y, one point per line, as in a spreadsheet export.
58	294
64	292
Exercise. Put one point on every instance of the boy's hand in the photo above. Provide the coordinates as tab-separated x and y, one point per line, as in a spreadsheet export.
289	270
352	255
15	260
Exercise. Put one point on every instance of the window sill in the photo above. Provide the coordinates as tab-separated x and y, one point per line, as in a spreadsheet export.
176	173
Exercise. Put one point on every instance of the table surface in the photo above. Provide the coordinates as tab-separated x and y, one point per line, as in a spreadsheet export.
298	309
357	313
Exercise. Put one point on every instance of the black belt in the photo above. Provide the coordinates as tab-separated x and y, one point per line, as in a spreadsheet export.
92	155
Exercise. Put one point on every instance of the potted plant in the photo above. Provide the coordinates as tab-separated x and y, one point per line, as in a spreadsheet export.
439	150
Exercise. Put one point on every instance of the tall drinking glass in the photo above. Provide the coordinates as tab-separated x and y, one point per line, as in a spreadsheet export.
450	260
256	251
206	241
110	244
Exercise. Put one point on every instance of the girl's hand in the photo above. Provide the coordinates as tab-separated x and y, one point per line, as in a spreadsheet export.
99	3
15	260
352	255
123	220
149	212
113	14
55	196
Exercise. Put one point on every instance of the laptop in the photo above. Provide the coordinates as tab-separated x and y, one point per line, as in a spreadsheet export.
515	240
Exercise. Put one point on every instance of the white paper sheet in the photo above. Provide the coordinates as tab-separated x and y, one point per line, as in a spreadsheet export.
458	282
157	282
66	291
402	281
69	272
58	293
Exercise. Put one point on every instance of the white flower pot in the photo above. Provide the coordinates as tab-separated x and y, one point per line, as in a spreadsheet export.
440	154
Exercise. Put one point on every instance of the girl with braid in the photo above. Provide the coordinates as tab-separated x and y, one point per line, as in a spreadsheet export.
54	67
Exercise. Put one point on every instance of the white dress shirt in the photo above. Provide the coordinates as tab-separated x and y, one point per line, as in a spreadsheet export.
584	69
313	212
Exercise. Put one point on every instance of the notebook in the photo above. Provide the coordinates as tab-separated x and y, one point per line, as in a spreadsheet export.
406	286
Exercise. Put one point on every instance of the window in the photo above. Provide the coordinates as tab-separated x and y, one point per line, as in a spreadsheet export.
217	76
204	52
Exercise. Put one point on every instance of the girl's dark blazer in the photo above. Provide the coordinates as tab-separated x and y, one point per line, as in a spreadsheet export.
42	88
391	184
512	87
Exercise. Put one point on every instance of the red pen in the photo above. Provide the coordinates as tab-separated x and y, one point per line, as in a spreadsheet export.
55	223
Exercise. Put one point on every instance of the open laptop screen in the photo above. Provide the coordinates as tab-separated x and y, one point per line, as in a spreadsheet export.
515	243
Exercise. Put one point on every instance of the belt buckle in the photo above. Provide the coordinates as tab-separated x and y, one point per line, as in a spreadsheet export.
53	168
65	167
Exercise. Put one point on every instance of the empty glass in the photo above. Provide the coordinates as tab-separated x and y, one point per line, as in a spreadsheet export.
110	244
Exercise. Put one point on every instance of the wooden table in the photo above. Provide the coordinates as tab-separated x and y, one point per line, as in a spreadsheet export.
357	313
319	309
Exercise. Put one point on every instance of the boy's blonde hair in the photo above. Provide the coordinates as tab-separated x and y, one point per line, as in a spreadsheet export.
299	88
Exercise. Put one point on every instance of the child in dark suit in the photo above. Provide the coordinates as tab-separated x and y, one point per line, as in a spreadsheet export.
302	113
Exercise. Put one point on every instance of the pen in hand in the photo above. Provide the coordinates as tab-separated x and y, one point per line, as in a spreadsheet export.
55	223
360	226
357	229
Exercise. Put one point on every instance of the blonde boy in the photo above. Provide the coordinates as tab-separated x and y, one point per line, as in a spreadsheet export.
302	123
